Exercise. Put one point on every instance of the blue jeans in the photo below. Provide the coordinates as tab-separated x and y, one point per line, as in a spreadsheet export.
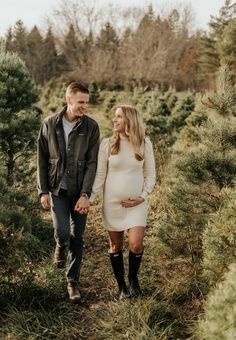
69	228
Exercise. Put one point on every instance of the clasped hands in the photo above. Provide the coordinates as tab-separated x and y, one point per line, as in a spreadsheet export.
82	205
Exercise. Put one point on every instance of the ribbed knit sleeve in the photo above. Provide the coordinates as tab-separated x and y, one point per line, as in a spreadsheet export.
101	173
149	170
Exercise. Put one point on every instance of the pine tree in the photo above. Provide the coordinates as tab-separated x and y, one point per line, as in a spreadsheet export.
179	116
49	57
197	176
19	121
93	93
227	48
72	49
19	124
34	58
224	99
218	320
19	36
8	40
214	45
219	239
105	56
157	123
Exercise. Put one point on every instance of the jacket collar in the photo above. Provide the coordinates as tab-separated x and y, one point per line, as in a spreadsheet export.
61	114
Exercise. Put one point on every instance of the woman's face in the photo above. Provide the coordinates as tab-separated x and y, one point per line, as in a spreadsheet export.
119	122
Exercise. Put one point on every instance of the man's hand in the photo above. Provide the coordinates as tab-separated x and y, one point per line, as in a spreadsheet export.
132	202
82	205
45	201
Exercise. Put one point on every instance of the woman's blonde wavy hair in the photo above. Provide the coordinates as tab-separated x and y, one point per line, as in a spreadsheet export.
134	129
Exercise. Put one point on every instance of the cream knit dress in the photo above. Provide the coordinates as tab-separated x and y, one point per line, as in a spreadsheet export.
122	176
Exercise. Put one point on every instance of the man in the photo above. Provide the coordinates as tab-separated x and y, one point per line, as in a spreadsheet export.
67	151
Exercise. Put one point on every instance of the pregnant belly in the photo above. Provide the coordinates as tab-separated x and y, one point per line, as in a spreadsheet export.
119	187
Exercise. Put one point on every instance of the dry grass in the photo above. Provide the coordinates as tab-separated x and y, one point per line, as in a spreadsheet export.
41	311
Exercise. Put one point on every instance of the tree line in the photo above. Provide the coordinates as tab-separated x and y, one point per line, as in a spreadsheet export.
155	51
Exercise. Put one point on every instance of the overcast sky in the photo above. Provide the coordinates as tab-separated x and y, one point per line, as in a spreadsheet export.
33	12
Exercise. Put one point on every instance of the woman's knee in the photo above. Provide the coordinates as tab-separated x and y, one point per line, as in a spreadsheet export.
115	247
136	247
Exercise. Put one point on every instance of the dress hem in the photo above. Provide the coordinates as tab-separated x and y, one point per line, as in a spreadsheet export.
125	228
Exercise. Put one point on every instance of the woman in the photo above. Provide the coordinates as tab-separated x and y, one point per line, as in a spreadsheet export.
126	174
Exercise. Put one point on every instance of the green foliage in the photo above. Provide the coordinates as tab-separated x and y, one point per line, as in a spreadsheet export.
53	96
191	132
19	120
171	100
181	113
219	239
187	208
218	321
215	161
19	124
224	99
17	92
195	181
196	119
157	123
93	93
217	46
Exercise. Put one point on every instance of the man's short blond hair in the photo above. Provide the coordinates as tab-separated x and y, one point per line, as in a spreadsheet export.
76	87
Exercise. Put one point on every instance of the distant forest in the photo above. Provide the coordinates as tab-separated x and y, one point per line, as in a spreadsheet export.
127	48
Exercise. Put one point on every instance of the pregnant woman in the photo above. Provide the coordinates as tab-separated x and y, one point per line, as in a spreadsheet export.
126	175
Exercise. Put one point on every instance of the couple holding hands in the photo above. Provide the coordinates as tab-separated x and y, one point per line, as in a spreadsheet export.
72	169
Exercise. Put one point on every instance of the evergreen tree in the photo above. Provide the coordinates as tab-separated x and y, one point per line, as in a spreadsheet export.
227	48
93	93
19	37
19	121
218	320
219	239
49	57
34	54
8	39
209	58
197	176
19	124
223	101
105	56
157	123
179	116
214	47
72	49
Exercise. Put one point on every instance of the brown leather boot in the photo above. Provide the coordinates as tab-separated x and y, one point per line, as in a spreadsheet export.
59	258
73	291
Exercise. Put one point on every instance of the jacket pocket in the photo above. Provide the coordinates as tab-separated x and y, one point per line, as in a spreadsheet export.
52	171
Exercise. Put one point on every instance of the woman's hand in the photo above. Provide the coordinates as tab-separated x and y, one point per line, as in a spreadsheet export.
132	202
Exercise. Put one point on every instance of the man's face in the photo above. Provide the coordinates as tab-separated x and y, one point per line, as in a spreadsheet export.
78	103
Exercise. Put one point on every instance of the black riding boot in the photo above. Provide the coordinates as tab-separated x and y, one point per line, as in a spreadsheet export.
118	269
134	264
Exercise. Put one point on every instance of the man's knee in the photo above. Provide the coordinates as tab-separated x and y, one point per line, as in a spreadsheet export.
62	237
